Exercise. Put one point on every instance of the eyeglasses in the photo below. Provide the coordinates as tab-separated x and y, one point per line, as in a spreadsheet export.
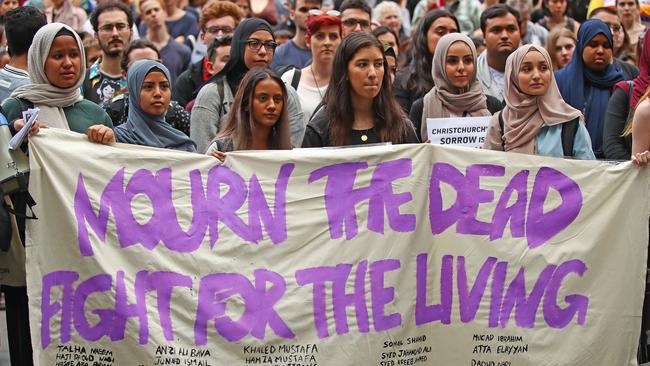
352	22
216	29
317	12
306	9
256	44
107	28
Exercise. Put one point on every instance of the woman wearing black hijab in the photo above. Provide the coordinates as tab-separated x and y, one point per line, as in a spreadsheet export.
253	45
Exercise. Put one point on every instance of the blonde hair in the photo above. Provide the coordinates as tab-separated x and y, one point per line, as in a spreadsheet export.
555	34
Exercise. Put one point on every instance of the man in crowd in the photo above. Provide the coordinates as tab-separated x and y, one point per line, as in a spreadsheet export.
500	26
531	33
355	17
295	52
611	18
112	23
174	55
218	19
21	25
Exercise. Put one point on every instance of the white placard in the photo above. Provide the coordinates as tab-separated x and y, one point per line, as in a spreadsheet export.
459	131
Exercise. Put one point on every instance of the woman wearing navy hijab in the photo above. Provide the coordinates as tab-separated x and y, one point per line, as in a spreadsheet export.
586	82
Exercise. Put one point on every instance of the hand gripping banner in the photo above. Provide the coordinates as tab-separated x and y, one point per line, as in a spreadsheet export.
383	255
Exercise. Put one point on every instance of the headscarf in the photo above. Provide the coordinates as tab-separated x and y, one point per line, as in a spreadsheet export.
145	129
49	98
235	68
642	81
572	79
445	99
524	114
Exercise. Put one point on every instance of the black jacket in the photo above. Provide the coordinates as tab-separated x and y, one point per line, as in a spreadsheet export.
188	84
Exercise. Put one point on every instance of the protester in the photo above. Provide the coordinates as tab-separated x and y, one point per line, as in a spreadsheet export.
175	55
617	137
253	45
112	23
245	7
457	92
6	5
391	61
388	14
218	55
586	82
92	49
631	20
610	17
150	86
535	119
413	81
557	16
355	17
531	33
64	11
561	43
218	19
296	53
386	36
359	107
21	24
179	23
258	119
640	130
323	38
500	25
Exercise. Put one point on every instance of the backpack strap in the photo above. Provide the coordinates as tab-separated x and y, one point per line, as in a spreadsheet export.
296	78
221	95
569	130
501	125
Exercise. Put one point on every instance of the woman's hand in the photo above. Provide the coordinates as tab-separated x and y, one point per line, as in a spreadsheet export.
219	155
101	134
20	123
641	159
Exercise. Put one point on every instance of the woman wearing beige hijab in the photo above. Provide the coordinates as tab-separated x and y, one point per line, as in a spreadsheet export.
457	92
536	120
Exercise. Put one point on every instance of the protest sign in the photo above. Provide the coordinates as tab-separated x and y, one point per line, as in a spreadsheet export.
383	255
460	131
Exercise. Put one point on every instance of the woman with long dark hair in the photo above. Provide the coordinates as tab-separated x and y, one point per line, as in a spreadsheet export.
415	80
258	119
359	105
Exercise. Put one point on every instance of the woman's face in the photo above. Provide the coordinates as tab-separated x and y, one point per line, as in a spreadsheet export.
459	65
439	28
155	93
324	43
597	54
534	74
366	71
63	63
267	103
245	8
564	51
392	21
263	55
557	7
389	39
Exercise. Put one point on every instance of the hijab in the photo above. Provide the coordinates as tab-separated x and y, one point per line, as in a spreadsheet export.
49	98
145	129
235	68
445	99
524	114
575	76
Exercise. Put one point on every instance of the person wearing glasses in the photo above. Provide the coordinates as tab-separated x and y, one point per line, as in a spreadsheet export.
175	56
252	45
295	52
218	20
610	17
355	17
112	23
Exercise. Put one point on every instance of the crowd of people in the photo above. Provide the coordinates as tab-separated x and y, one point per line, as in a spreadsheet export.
215	76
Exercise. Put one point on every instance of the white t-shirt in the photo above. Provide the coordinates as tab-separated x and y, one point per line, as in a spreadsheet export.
309	96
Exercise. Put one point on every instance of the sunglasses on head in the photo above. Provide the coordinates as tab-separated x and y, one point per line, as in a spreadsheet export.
317	12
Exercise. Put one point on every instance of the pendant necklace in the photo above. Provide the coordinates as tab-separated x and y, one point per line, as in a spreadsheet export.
311	68
364	135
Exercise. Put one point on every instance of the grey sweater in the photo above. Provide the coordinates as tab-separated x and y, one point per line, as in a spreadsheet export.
209	114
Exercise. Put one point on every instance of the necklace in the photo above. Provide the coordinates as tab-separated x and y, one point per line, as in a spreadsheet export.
364	134
318	87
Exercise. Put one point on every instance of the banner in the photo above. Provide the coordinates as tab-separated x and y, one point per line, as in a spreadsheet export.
383	255
461	131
